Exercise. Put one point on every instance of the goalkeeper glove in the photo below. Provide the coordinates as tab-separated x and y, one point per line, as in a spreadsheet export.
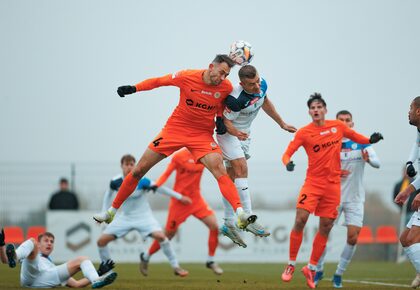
126	90
409	169
290	166
375	137
220	126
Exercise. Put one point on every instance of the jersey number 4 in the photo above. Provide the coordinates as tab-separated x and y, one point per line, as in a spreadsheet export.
157	142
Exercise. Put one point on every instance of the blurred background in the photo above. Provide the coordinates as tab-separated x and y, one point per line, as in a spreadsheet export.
61	62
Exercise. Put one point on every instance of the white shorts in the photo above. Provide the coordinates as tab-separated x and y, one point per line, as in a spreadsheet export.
415	220
122	224
233	148
353	213
31	275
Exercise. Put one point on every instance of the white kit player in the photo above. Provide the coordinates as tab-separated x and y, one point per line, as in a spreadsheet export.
243	105
136	214
38	270
353	157
410	237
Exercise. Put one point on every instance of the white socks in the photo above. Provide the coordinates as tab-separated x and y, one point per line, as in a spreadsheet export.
104	253
169	253
24	250
321	261
89	271
345	259
242	187
413	254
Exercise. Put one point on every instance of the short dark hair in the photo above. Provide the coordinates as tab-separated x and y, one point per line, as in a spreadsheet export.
220	58
343	112
64	180
416	102
46	234
128	158
316	97
247	72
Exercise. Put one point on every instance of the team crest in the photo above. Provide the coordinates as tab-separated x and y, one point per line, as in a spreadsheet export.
334	130
213	145
217	95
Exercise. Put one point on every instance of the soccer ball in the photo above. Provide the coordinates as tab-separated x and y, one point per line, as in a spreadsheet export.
241	52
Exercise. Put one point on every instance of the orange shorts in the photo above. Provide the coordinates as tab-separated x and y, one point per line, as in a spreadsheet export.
168	141
178	212
321	199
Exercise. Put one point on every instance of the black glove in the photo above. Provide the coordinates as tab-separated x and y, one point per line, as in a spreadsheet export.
290	166
105	267
375	137
152	188
126	90
2	237
220	126
410	170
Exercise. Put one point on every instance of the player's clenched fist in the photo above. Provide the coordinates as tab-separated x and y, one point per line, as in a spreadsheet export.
126	90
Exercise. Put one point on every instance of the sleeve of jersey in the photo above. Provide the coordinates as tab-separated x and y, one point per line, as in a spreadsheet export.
353	135
293	147
416	183
373	157
414	153
168	80
165	175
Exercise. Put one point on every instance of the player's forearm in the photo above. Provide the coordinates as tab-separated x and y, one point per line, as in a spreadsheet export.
271	111
356	137
231	129
373	158
153	83
169	192
3	256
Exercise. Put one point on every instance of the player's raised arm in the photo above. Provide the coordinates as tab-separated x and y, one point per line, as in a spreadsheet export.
359	138
271	111
150	84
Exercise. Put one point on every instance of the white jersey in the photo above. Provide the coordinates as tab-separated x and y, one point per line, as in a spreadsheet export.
135	205
414	155
351	159
250	105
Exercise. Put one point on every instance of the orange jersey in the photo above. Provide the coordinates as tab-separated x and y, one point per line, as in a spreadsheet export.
322	145
188	174
198	103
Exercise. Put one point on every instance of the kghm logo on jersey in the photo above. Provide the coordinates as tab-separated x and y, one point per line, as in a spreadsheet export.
202	106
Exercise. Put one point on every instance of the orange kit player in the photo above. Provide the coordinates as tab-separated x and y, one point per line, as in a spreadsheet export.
320	194
202	93
187	182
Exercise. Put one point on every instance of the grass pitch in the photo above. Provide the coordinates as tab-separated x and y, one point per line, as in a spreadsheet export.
366	275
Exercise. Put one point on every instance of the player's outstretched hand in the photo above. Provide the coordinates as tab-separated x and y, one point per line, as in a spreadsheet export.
126	90
2	238
289	128
290	166
105	267
410	170
185	200
375	137
220	126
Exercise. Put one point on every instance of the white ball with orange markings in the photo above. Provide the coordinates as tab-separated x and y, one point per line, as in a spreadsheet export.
241	52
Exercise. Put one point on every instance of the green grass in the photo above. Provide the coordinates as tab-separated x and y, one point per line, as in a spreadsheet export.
241	276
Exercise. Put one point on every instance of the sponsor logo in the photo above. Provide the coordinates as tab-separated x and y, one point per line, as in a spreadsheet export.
189	102
324	132
191	161
316	148
202	106
78	236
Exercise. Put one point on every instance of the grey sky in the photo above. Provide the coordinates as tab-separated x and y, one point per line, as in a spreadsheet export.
61	62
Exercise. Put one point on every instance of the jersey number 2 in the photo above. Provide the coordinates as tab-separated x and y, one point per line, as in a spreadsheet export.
304	196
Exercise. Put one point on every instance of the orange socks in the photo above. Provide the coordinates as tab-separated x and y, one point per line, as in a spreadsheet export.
154	247
295	242
318	248
127	188
213	241
229	191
